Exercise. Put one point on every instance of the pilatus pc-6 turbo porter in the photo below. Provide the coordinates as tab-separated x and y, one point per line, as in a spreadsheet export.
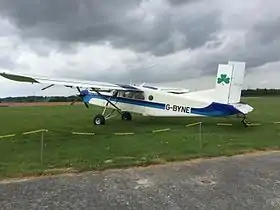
221	101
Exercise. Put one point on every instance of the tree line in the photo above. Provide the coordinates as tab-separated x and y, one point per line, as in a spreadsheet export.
245	93
260	92
39	99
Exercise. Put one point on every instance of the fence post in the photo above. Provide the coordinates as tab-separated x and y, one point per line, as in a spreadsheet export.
42	145
200	135
42	140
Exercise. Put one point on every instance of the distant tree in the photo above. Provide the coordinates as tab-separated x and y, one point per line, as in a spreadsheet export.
261	92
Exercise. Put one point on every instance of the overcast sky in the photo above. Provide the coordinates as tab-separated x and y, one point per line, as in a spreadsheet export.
156	41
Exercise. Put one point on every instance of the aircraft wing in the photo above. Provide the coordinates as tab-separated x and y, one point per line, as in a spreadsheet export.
67	82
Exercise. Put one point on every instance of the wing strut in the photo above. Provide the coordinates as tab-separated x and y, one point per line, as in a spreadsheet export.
108	101
47	87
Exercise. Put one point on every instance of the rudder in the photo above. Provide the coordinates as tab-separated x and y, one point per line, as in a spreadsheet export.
236	81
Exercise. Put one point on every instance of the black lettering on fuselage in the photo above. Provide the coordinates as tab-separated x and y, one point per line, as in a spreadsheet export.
183	109
177	108
167	107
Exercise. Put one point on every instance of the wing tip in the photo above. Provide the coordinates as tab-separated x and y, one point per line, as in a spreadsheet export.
18	78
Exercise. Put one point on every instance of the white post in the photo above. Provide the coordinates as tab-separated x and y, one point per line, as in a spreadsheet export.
42	145
200	135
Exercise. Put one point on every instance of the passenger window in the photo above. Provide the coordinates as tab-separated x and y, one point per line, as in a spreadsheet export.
139	96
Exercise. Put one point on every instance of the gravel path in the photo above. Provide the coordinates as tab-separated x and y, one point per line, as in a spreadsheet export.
240	182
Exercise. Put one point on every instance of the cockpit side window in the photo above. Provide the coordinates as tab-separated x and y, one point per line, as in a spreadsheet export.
132	94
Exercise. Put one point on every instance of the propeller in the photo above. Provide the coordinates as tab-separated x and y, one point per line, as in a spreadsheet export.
81	95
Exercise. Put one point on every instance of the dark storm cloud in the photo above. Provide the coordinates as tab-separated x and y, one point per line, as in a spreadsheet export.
96	21
237	30
31	12
267	32
182	2
67	20
171	33
262	44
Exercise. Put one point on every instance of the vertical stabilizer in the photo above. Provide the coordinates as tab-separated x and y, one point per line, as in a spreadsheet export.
223	81
229	82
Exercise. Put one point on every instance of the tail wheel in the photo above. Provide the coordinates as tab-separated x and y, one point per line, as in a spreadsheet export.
126	116
246	123
99	119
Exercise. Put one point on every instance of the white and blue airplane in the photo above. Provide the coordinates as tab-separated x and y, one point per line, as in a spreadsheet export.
221	101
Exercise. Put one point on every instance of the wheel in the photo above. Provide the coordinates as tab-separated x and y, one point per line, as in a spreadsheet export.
246	123
99	119
126	116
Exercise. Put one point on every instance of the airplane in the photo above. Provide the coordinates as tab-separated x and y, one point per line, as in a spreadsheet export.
221	101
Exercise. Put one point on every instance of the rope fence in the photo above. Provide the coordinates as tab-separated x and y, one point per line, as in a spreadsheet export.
123	133
154	131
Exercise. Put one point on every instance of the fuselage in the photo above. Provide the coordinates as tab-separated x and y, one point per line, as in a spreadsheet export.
152	102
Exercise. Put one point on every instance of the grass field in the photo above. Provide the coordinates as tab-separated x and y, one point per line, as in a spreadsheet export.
20	155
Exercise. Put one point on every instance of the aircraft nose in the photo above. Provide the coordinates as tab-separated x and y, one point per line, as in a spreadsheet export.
84	92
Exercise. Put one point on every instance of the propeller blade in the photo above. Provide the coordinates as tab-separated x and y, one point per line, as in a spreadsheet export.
81	94
73	102
86	104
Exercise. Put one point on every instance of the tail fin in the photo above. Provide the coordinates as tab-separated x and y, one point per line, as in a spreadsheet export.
229	82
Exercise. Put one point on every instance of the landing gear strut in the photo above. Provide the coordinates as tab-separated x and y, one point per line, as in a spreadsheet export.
245	122
100	119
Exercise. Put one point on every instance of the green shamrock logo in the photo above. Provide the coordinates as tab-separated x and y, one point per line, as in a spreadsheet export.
223	79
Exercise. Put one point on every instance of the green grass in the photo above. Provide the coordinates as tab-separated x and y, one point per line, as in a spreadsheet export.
20	155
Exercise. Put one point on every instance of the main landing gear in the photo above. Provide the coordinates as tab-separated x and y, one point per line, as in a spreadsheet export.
100	119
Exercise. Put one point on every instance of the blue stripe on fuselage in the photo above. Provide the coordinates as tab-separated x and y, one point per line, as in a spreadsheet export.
156	105
214	109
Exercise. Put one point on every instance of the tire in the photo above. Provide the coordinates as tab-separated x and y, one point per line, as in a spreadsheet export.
99	120
126	116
